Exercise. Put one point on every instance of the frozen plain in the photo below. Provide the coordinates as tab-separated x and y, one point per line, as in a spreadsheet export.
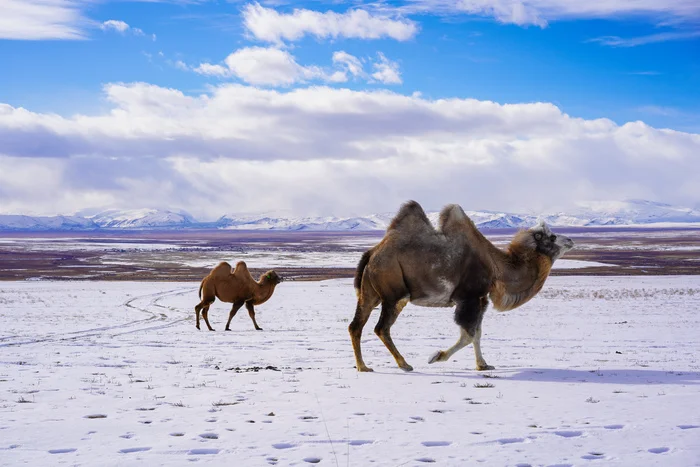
593	371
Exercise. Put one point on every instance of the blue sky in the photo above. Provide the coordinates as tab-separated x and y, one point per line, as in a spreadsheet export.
596	61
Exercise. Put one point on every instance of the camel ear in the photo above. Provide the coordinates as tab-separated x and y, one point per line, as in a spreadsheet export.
269	276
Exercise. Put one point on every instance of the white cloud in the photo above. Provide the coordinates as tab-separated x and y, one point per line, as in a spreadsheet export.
615	41
539	12
322	149
267	66
350	63
386	71
267	24
123	28
115	25
41	19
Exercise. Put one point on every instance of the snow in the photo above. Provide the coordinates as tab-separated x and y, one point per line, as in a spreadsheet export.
630	213
601	370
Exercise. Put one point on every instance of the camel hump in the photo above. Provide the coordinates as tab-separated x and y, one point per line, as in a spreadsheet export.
241	268
453	217
221	269
410	217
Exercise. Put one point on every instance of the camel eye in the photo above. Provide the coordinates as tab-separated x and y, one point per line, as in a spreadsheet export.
538	236
553	237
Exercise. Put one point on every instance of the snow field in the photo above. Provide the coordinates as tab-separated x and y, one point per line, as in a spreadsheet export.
600	371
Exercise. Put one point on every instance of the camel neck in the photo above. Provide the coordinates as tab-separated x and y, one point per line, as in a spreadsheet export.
521	278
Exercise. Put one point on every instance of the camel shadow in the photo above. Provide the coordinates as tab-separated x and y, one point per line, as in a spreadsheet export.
606	376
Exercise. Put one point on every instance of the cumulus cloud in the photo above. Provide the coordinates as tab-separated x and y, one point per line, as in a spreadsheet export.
41	19
271	66
319	149
540	12
386	71
267	66
115	25
267	24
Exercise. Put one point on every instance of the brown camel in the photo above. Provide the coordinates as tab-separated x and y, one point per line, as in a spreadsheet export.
453	265
235	286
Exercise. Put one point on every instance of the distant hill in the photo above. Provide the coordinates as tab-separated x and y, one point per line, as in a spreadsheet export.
622	213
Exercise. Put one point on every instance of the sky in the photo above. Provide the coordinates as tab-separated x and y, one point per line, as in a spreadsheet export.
347	107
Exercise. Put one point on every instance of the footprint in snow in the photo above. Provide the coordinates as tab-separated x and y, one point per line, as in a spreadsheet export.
95	416
593	456
209	436
177	433
197	452
658	450
510	440
432	444
127	436
130	450
359	442
688	427
62	451
568	434
427	460
312	460
283	445
614	427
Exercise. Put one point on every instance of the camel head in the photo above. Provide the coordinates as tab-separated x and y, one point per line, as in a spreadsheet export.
547	242
271	277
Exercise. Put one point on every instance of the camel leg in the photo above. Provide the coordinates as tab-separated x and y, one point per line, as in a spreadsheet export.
234	309
481	364
204	304
367	301
251	313
205	315
390	311
468	315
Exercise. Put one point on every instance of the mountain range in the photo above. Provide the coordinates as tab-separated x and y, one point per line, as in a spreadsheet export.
623	213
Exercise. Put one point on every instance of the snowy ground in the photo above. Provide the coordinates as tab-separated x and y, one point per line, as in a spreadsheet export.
594	371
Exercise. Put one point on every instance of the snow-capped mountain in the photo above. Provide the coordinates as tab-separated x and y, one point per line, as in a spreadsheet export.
623	213
142	219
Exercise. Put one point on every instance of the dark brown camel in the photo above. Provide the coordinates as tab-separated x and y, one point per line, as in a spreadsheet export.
235	286
453	265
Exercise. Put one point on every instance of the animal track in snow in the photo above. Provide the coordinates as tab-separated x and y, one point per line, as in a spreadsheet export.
209	436
431	444
177	433
614	427
359	442
62	451
688	427
568	434
127	436
593	456
510	440
130	450
196	452
312	460
658	450
95	416
428	460
283	445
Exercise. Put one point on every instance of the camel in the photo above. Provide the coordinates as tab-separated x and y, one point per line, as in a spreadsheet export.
453	265
235	286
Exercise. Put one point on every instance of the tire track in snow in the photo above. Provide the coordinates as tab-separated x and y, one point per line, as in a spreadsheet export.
98	331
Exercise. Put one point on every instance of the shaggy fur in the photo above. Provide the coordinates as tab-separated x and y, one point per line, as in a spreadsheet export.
235	286
453	265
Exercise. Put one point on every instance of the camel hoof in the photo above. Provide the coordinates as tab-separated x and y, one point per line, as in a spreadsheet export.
212	329
227	329
258	329
197	327
406	367
437	357
365	369
484	367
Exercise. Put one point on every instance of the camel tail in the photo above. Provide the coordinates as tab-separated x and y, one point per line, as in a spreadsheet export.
361	269
200	289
